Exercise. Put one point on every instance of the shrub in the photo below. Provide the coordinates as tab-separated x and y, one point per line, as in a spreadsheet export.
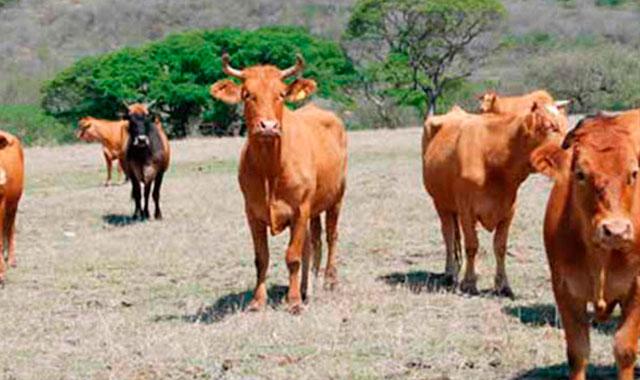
177	73
604	77
33	126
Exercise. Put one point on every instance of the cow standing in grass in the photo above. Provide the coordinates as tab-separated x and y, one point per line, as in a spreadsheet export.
111	134
473	166
147	157
11	186
592	233
292	169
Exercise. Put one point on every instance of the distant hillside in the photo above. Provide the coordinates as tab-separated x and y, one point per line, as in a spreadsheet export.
39	37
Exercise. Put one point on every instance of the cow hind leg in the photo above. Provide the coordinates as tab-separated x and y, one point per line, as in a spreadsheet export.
3	268
469	283
316	243
157	184
331	271
451	235
306	286
501	284
261	250
10	232
107	159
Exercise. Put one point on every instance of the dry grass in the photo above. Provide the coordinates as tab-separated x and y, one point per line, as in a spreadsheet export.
98	297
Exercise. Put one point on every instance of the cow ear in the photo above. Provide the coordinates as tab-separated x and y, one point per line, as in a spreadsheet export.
300	89
5	141
549	159
227	91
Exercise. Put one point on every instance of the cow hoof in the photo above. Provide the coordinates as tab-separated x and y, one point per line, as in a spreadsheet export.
449	280
469	287
255	305
504	291
158	216
107	184
330	284
13	263
296	308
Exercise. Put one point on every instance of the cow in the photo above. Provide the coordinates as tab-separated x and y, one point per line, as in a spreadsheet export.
473	166
491	102
11	186
292	169
591	233
111	134
146	157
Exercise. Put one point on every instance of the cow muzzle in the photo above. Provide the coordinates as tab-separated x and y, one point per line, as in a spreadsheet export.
268	128
615	233
141	141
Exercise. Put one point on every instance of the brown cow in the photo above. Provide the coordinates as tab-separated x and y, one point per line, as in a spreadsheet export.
472	168
146	158
292	169
11	186
111	134
491	102
591	233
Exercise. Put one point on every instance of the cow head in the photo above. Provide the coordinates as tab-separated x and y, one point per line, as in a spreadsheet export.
140	124
86	130
263	92
542	122
487	101
600	160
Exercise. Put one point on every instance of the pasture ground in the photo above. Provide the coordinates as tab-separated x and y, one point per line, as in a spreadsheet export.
97	296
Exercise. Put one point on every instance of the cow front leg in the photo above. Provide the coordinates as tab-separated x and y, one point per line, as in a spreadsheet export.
10	228
107	159
136	195
573	313
261	250
625	344
501	284
469	283
157	184
147	193
3	268
294	260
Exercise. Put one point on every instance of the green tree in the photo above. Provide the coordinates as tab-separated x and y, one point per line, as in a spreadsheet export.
177	73
414	49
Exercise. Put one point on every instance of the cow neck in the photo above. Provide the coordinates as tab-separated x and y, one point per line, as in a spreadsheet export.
519	149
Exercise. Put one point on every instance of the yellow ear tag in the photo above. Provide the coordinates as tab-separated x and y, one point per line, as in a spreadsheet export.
301	95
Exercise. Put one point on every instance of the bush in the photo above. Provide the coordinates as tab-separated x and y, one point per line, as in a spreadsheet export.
33	126
178	71
595	78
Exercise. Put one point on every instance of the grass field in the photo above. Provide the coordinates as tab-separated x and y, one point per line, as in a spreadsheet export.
97	296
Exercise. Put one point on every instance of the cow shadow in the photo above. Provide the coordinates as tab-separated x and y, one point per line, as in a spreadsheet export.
561	371
119	220
227	305
419	281
539	315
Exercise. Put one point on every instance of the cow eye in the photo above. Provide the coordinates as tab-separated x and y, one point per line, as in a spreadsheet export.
580	176
246	95
633	177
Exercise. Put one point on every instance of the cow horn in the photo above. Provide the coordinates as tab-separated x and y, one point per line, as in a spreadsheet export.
125	104
561	103
150	104
293	70
226	67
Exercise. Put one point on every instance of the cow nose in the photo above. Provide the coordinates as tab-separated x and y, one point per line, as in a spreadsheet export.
615	231
268	126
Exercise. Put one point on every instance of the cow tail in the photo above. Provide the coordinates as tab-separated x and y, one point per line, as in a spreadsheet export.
457	243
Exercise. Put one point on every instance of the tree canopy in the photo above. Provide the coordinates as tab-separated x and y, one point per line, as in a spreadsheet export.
419	48
177	73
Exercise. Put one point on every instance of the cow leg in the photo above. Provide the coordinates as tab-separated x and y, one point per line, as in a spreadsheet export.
136	195
294	258
147	193
157	184
500	237
625	344
3	269
448	226
575	321
331	222
10	233
469	283
316	243
107	159
306	287
261	250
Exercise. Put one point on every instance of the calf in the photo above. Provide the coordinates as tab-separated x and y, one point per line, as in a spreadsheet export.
11	186
292	169
473	166
111	134
146	158
591	233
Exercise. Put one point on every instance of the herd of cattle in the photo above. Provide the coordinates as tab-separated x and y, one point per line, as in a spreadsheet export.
293	169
